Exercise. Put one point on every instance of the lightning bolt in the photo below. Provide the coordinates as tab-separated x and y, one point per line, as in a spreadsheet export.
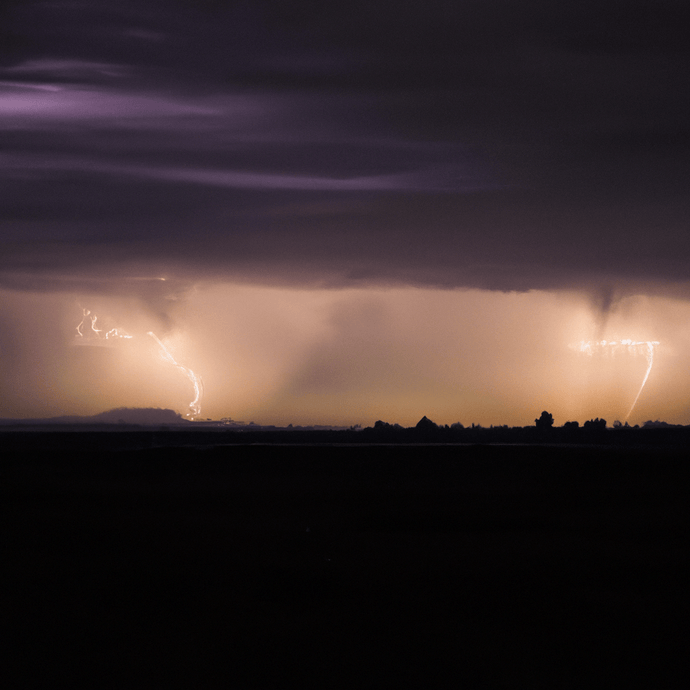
650	362
195	405
97	331
635	347
97	334
84	314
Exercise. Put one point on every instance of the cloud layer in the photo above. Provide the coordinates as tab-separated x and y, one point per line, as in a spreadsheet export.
502	146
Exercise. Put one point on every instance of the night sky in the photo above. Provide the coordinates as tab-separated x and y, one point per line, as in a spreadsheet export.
338	213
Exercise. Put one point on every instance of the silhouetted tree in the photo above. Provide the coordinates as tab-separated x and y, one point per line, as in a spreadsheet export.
571	425
545	421
595	424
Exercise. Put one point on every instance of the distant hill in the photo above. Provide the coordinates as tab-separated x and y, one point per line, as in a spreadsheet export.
144	416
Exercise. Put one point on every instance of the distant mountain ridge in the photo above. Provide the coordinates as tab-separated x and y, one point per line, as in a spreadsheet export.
144	416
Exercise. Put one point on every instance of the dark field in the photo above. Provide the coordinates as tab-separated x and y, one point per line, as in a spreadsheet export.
272	566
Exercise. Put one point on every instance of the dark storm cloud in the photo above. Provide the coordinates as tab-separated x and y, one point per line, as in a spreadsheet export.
500	145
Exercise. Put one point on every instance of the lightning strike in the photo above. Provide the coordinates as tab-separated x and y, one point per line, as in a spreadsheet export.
634	347
195	405
650	361
85	313
97	331
97	335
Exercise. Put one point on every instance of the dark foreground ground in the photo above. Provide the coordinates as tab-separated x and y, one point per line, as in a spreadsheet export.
265	566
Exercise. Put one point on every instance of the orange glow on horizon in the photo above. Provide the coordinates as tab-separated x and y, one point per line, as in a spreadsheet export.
281	356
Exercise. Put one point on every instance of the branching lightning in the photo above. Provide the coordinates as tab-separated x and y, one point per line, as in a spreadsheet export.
635	347
95	335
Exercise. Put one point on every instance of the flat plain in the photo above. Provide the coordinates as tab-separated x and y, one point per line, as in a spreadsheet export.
139	560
